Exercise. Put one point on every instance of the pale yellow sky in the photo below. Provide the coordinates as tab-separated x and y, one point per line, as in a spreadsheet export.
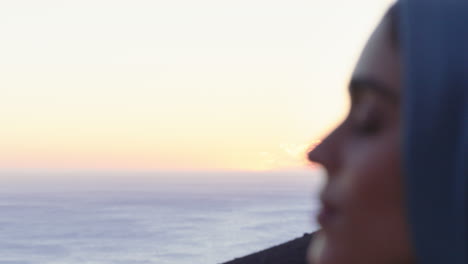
179	84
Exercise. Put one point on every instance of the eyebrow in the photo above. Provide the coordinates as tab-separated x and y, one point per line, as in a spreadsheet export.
358	85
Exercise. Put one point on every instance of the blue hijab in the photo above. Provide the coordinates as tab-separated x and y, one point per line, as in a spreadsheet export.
434	39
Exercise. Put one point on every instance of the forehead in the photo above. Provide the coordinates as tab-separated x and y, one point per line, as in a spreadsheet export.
379	61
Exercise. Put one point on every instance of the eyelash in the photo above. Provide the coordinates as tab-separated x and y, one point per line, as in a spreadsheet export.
370	125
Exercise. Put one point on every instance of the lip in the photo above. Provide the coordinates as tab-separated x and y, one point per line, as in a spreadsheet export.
327	214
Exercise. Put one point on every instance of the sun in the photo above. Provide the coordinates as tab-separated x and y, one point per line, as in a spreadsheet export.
287	156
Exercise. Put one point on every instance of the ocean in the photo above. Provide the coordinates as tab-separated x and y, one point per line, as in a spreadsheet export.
158	218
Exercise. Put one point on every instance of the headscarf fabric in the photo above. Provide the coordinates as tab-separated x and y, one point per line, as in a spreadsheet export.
434	41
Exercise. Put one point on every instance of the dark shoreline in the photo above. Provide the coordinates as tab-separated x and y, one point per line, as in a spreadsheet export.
291	252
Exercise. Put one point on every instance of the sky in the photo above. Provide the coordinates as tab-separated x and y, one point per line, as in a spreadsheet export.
188	85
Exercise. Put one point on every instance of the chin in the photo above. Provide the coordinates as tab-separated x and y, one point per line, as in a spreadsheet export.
315	252
326	249
321	251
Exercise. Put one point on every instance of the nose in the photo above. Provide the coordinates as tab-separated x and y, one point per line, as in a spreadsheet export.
327	152
318	154
314	155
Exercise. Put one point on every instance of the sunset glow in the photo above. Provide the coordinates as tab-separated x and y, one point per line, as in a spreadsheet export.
174	85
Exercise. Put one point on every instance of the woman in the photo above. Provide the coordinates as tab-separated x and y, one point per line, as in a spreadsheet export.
382	206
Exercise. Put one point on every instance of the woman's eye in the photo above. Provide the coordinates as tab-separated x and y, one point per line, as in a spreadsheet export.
367	120
368	126
367	115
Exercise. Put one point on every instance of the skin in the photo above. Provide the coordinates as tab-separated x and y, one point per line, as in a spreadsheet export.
362	156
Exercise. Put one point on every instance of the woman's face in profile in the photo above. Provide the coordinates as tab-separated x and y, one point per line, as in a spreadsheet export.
363	218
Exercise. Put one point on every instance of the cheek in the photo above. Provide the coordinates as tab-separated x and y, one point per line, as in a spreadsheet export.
371	225
371	188
371	179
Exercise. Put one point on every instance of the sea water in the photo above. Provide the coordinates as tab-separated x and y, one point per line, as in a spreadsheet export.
168	220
